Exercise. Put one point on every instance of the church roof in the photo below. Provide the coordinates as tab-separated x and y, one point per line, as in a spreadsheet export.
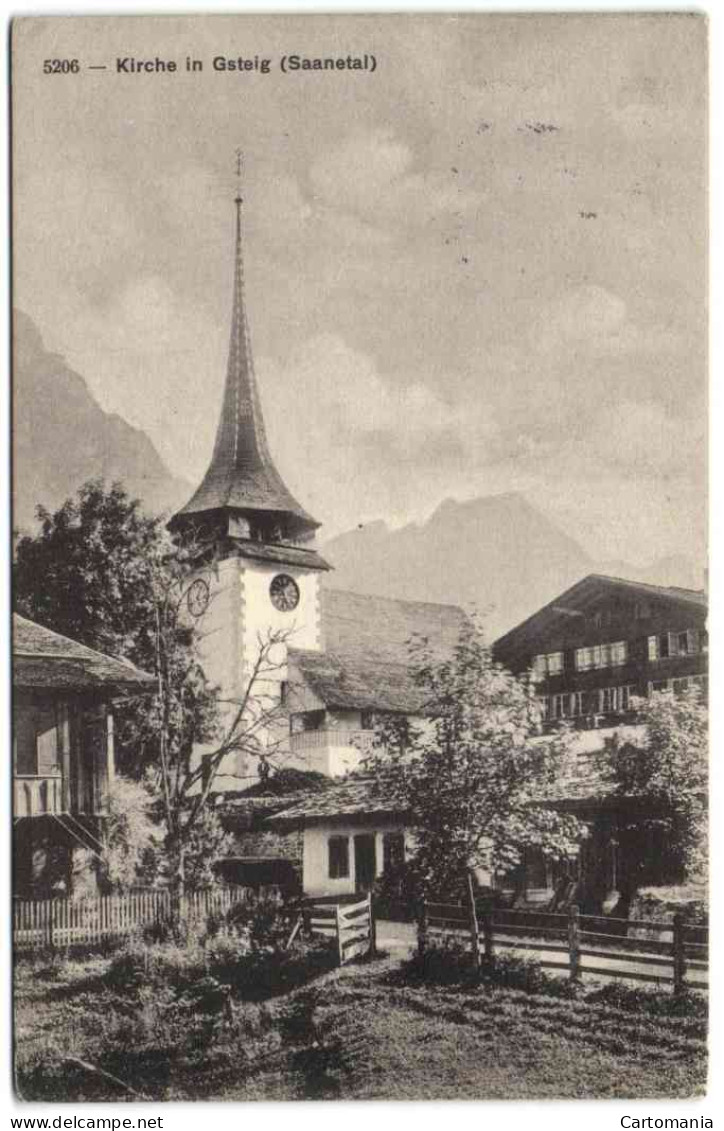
365	664
46	660
242	476
363	684
362	625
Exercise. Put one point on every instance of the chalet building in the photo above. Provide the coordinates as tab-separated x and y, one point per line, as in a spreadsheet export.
606	641
591	653
62	754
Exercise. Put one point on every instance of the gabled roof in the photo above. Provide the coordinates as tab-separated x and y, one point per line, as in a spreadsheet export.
580	597
360	797
365	664
362	625
357	683
44	659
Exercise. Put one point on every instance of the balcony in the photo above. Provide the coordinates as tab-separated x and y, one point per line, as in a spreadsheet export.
34	795
309	740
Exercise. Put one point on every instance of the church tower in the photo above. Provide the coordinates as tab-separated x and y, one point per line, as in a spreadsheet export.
264	570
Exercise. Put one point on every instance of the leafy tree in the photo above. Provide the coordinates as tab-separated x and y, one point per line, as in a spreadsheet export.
133	839
472	770
104	573
667	771
90	573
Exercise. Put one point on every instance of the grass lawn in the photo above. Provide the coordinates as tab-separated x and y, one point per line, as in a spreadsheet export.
360	1033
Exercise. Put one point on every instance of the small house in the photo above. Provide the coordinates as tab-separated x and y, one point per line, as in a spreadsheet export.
351	834
63	759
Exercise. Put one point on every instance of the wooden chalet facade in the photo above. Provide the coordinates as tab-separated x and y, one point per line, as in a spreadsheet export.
62	754
591	653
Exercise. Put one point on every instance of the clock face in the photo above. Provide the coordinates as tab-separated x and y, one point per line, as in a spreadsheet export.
197	597
284	593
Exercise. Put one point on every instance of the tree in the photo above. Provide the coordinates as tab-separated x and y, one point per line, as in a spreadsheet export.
471	770
109	576
132	844
667	772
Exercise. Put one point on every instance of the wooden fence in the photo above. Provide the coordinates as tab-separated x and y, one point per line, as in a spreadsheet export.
58	923
573	943
351	925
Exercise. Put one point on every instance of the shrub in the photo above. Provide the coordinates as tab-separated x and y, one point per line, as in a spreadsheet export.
446	964
657	1002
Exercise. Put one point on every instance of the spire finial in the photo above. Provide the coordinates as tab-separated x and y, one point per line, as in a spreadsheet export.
239	169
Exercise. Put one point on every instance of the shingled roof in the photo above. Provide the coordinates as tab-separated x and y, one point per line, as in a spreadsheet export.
45	659
363	625
580	597
357	684
365	664
361	797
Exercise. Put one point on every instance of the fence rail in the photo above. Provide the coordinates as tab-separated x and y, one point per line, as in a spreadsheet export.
352	925
578	944
58	923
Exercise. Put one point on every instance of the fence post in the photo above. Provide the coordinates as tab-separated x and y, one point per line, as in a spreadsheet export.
373	928
474	933
49	905
422	927
679	955
338	920
488	945
574	942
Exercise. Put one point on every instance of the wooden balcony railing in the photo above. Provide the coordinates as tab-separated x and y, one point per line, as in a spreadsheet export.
37	794
361	740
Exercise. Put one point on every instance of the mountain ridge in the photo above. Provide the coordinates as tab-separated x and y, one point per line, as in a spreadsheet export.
62	437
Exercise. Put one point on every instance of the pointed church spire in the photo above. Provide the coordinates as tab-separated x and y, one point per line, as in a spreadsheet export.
242	490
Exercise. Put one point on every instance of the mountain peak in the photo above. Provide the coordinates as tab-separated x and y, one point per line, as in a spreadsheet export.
62	437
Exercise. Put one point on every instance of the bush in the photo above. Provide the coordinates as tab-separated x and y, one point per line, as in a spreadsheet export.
658	1003
446	964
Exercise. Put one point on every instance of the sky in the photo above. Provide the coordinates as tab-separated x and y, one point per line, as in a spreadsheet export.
481	268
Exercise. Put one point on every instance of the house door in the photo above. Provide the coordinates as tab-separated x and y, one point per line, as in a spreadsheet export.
365	862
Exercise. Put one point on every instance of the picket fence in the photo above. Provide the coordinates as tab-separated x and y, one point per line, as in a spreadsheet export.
351	925
58	923
573	943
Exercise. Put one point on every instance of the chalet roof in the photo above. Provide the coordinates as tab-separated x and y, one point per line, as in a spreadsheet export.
356	798
580	597
44	659
242	476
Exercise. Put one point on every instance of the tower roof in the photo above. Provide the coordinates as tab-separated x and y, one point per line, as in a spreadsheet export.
242	476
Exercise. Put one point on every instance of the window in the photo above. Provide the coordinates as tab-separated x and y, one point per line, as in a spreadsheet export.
46	748
627	693
619	653
577	703
311	720
549	663
688	642
559	706
602	656
367	720
338	857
